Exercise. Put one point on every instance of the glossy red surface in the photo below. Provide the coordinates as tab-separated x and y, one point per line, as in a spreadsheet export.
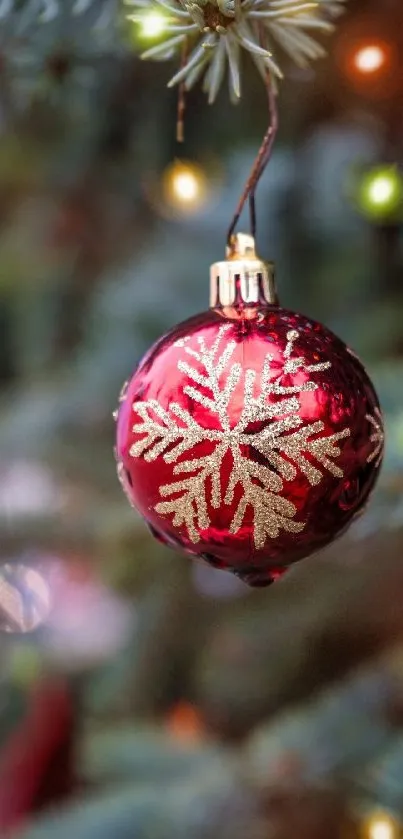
337	401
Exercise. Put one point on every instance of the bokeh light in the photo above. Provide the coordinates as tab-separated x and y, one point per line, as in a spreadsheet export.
381	826
381	190
380	194
185	186
184	722
148	27
370	59
152	24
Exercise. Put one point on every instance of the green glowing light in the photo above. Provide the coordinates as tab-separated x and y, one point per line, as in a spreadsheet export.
380	193
152	25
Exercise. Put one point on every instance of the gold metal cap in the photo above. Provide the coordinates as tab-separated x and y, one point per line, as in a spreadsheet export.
242	279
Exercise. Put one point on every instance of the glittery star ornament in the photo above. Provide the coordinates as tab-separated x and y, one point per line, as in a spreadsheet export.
211	36
250	435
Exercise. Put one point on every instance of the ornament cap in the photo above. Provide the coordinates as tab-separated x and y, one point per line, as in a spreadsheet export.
242	279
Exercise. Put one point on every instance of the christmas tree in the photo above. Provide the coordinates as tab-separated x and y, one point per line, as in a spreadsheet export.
143	693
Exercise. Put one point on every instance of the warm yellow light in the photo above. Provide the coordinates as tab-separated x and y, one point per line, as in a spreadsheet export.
185	186
152	24
370	59
381	826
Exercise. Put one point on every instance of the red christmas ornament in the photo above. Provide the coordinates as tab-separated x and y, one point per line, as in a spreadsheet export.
249	435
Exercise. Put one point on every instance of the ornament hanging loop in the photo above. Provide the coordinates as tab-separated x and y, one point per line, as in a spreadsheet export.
261	161
181	102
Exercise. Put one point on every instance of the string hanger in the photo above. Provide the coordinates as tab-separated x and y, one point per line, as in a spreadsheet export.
259	165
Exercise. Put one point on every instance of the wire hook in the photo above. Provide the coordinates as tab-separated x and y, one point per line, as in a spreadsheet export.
261	161
181	100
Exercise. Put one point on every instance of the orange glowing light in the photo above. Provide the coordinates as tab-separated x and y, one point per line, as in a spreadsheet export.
369	59
184	722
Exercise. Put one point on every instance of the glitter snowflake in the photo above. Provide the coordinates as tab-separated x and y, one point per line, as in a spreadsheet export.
284	441
377	437
213	34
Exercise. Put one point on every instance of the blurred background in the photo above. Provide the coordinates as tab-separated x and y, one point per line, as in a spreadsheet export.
141	695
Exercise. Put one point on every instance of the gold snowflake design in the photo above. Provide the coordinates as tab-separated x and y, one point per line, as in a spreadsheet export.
284	441
213	34
377	437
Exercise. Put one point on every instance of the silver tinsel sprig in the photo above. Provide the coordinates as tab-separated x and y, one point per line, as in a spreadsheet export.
212	34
